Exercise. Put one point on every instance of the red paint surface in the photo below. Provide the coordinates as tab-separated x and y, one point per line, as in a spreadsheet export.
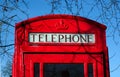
27	53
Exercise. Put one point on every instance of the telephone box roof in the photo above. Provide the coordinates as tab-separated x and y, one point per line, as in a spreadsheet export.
59	16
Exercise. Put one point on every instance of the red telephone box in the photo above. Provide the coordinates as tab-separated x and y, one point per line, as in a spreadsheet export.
60	46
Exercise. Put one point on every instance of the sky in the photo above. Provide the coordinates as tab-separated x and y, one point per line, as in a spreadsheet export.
42	7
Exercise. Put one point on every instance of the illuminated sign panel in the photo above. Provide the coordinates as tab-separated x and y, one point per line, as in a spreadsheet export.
61	38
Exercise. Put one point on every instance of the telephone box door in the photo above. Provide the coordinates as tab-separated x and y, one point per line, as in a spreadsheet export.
63	65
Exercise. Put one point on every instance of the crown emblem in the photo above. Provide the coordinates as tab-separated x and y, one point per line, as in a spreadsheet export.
61	25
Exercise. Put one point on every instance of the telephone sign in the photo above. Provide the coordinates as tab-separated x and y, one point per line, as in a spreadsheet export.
61	38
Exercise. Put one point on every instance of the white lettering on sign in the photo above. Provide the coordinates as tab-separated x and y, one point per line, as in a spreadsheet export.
61	38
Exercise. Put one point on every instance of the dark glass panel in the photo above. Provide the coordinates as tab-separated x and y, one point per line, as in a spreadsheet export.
90	70
36	70
63	70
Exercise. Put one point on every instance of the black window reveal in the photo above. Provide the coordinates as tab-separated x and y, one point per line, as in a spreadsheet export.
64	70
36	69
90	70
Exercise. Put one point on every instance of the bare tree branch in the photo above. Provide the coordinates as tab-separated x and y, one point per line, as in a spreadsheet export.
7	45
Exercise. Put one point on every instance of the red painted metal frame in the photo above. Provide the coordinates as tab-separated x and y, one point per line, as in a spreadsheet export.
26	52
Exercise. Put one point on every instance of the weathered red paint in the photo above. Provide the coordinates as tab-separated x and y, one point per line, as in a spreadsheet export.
27	53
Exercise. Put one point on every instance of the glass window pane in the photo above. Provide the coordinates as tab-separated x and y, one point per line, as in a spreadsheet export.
90	70
36	70
63	70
